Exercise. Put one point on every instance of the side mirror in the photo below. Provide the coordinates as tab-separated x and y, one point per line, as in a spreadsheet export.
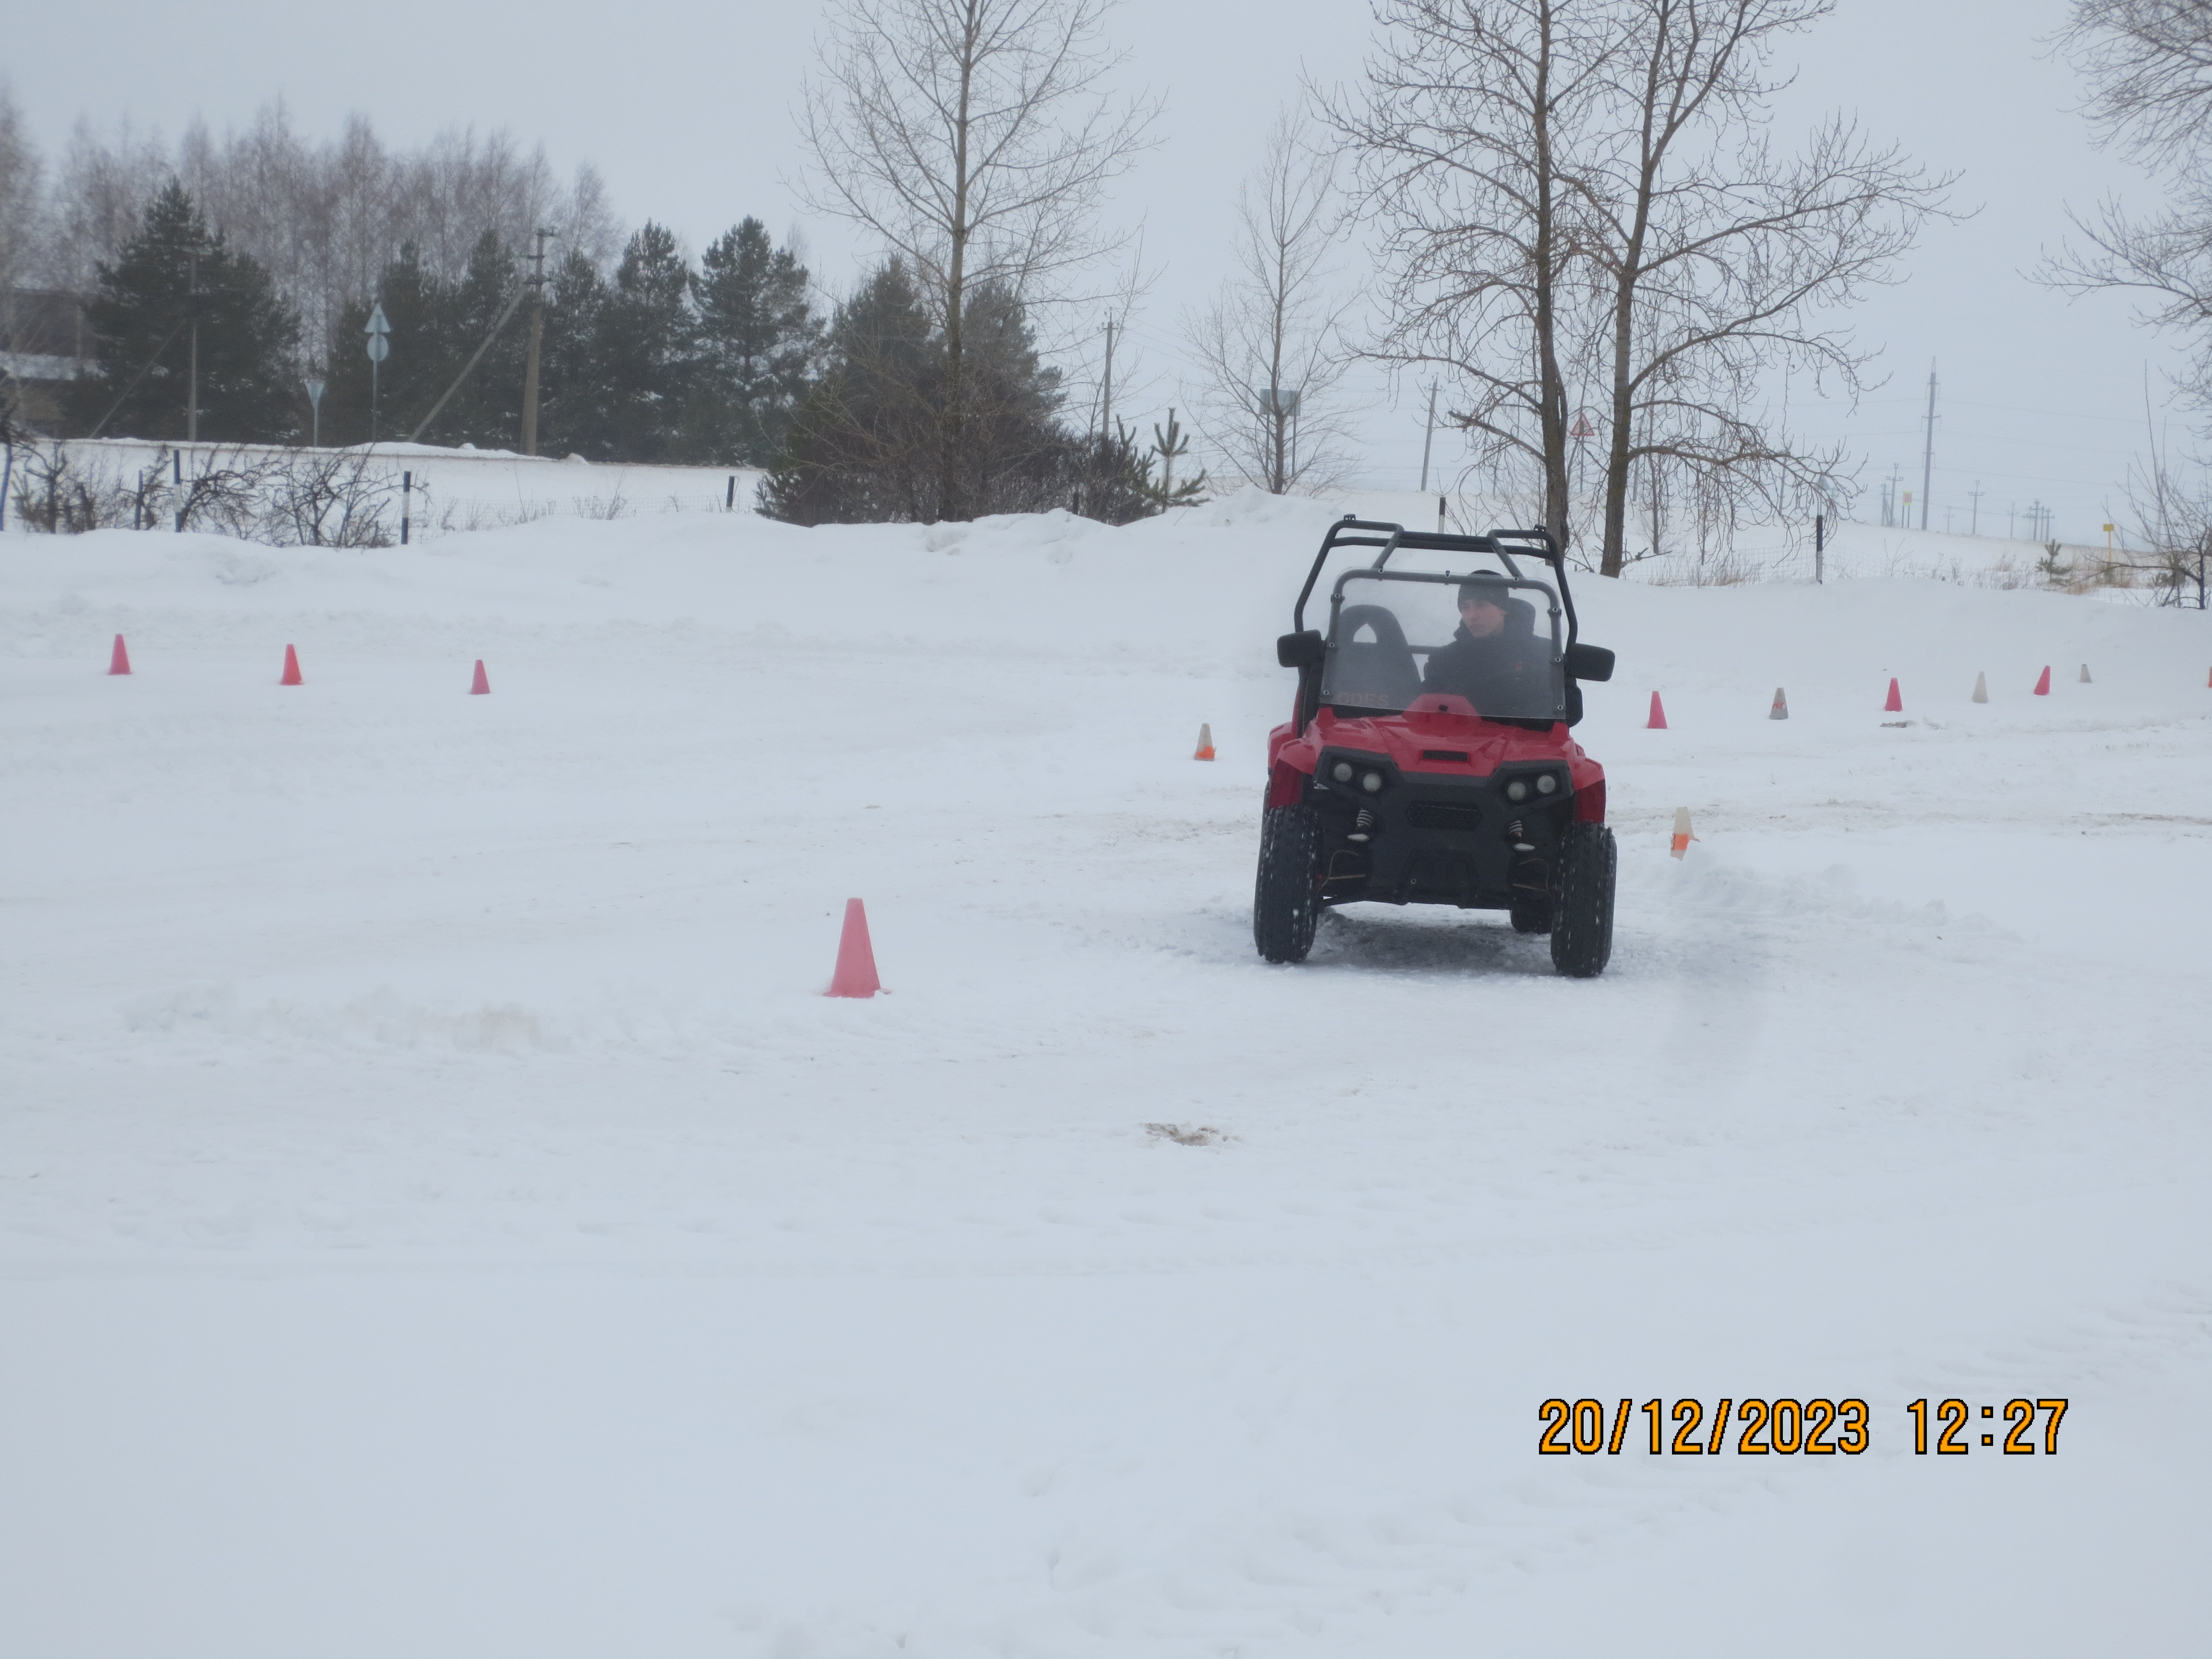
1300	650
1588	662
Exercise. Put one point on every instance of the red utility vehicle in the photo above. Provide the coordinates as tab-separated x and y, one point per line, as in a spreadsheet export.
1429	760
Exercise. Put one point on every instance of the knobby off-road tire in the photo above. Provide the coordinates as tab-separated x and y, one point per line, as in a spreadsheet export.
1531	915
1582	921
1533	905
1285	901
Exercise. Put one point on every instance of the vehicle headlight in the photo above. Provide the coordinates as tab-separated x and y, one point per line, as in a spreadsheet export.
1372	782
1517	790
1548	783
1342	773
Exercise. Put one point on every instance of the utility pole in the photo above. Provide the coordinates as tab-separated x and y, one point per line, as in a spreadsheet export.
192	310
1928	457
1429	438
1106	418
1819	544
537	335
1974	523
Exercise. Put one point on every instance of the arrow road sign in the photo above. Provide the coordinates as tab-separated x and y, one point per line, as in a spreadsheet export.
376	322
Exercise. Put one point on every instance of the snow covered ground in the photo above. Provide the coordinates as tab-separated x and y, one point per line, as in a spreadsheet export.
439	1216
456	490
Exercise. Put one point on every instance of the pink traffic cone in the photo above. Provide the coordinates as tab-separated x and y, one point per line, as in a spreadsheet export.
1895	705
118	660
291	668
1658	720
2043	685
856	957
481	686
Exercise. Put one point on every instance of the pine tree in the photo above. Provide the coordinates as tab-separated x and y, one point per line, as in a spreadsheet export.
420	309
647	347
487	409
866	443
860	447
143	315
759	343
574	410
1168	447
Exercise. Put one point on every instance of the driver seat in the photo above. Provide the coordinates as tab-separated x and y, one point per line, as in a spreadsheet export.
1378	673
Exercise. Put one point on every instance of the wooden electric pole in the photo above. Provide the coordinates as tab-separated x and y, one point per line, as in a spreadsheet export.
1106	420
1928	455
1428	439
536	337
192	310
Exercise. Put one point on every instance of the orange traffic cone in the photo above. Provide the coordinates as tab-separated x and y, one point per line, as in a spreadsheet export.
1205	742
1895	703
291	668
1658	720
480	687
1781	709
2043	685
856	958
118	660
1682	836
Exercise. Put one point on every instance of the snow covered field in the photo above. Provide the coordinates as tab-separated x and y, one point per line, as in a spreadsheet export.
439	1215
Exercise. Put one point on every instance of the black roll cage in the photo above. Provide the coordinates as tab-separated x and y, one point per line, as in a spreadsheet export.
1349	531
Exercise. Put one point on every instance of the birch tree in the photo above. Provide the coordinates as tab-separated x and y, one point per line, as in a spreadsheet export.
1584	200
1269	348
974	139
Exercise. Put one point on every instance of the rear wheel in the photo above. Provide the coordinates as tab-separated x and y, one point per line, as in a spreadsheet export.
1531	912
1581	921
1286	901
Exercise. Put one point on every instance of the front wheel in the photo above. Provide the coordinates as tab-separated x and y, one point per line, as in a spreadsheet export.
1286	900
1582	919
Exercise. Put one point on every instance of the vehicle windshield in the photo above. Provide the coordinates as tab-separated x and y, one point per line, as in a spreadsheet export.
1494	640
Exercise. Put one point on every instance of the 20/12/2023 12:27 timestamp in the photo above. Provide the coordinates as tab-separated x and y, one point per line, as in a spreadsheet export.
1765	1427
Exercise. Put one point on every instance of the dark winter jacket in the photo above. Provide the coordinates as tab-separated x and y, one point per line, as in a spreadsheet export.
1501	674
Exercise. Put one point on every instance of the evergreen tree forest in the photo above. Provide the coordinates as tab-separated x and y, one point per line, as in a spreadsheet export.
644	357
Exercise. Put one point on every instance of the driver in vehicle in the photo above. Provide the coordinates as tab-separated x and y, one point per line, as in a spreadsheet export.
1491	661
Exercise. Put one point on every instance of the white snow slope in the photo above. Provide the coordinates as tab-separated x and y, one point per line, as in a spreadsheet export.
440	1216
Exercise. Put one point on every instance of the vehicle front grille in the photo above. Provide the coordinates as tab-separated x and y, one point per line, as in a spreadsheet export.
1442	814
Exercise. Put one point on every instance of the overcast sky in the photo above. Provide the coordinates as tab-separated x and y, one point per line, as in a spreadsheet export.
685	109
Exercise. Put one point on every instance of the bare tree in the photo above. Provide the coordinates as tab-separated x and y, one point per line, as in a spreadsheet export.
974	138
1472	116
2149	64
1717	260
1581	196
324	218
1270	348
20	204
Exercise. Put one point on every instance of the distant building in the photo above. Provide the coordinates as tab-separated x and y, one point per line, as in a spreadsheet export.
44	346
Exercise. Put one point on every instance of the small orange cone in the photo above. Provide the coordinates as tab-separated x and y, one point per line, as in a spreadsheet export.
1205	742
291	668
1682	836
1895	704
481	687
2043	685
1781	709
856	957
118	660
1658	720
